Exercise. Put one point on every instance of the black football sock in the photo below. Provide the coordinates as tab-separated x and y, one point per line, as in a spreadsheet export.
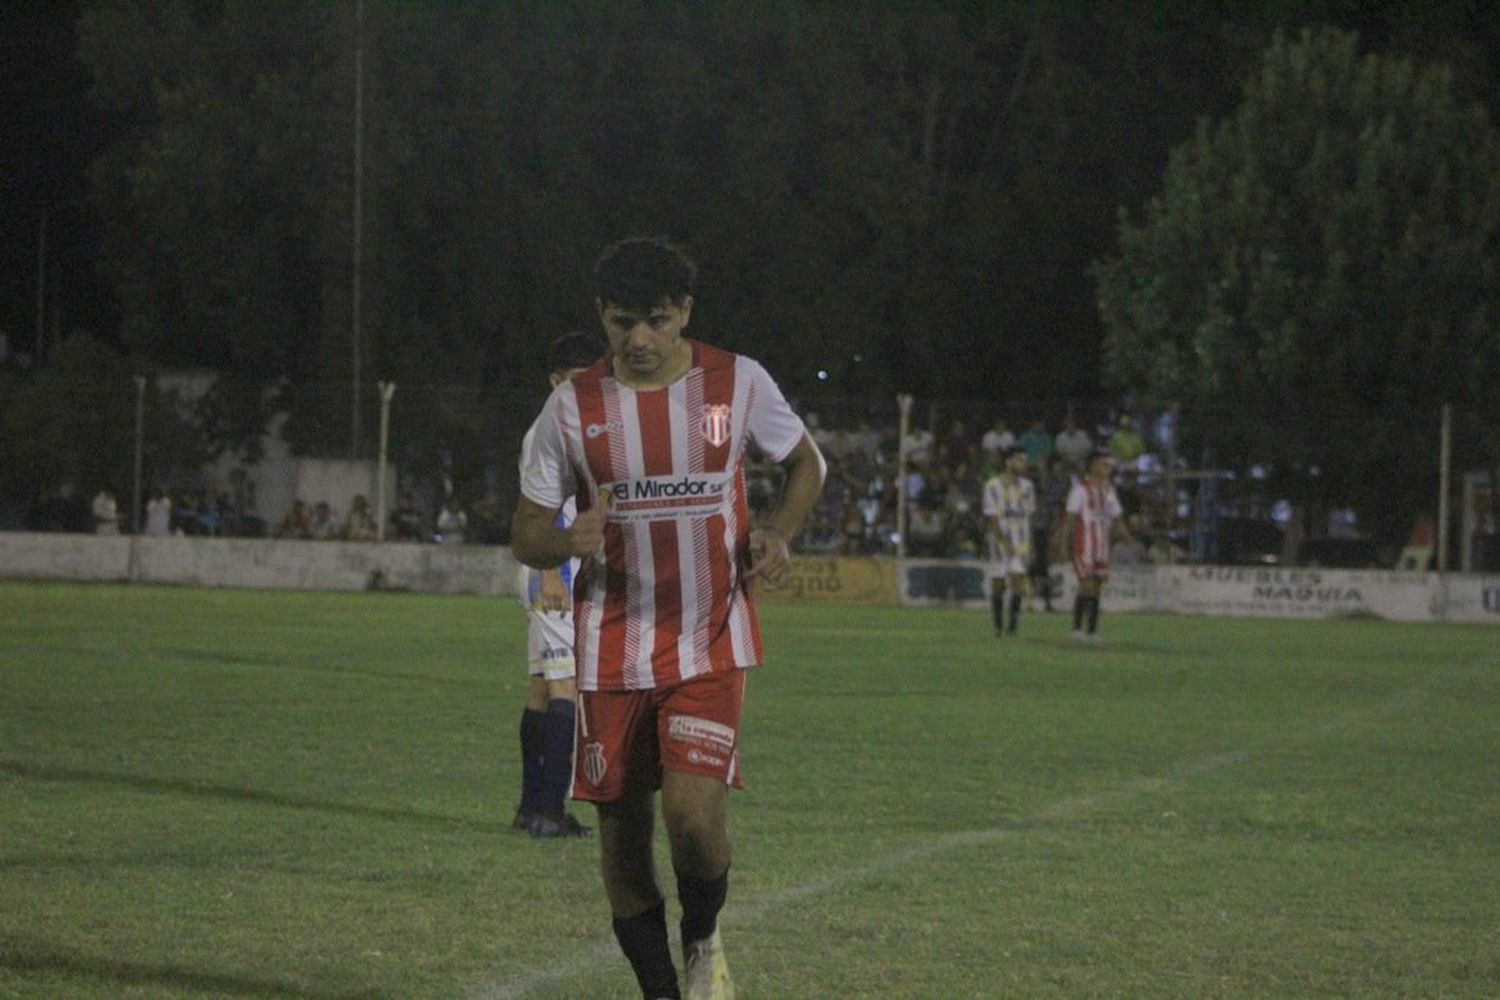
701	900
1015	610
1093	615
643	939
997	604
1079	603
557	756
531	759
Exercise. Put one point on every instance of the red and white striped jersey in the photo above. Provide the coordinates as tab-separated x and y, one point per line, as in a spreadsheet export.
669	604
1094	507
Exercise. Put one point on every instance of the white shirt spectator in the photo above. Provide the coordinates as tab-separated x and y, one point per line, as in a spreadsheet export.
1074	444
997	438
159	515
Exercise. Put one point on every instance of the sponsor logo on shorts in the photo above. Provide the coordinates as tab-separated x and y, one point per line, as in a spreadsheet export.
594	764
704	732
699	757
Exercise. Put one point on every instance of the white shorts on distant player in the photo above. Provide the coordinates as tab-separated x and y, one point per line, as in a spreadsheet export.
549	644
1014	564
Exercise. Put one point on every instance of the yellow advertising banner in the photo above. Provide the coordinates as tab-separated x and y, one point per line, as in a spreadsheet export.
838	580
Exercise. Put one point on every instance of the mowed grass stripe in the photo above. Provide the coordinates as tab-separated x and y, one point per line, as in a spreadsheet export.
218	793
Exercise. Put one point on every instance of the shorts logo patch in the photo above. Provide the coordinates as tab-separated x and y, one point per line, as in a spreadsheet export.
716	424
699	757
703	732
594	764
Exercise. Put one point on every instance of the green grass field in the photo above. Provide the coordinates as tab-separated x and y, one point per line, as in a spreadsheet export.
216	793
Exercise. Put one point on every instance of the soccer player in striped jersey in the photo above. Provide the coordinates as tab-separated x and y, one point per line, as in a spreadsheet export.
1093	509
651	442
549	718
1009	505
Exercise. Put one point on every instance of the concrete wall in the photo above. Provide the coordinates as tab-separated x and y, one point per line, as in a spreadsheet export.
260	563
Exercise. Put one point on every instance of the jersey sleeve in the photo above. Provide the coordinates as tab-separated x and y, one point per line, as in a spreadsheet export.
1076	499
1028	497
991	501
546	472
773	426
1113	504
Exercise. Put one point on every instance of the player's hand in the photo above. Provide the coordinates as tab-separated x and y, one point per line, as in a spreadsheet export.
586	533
555	596
770	558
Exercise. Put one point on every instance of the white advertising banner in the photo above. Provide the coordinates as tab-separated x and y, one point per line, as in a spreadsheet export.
1236	591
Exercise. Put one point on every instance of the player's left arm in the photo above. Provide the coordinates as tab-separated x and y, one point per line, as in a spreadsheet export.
770	544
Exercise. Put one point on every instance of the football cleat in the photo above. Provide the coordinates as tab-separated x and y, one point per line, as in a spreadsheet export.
566	827
708	970
523	820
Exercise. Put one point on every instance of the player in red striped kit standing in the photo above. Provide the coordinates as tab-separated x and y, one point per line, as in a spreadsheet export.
651	442
1093	508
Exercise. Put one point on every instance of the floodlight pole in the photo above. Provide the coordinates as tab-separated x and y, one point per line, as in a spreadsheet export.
387	390
1445	474
904	401
140	436
356	290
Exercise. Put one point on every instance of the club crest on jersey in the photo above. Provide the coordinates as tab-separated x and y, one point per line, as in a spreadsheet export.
715	426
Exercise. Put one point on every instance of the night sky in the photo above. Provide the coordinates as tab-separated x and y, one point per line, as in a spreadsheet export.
50	135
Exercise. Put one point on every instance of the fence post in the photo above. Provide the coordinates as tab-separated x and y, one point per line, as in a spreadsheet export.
140	434
387	390
903	400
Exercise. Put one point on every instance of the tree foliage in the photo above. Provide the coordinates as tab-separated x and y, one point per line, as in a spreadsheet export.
1319	271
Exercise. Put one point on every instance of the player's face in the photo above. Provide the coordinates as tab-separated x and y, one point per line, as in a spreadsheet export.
1017	463
645	343
1102	467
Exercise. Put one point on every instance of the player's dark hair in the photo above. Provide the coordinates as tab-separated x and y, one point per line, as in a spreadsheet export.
637	273
1012	452
573	350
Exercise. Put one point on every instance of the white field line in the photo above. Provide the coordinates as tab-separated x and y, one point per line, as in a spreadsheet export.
752	909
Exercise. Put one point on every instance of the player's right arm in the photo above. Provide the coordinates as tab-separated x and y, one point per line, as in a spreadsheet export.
537	541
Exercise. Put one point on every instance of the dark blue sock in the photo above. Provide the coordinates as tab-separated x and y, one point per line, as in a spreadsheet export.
531	759
701	900
643	939
557	755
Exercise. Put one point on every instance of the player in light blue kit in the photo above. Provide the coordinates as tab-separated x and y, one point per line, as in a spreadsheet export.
547	595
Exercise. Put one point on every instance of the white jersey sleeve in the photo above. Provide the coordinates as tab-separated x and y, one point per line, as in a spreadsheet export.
547	476
1077	498
992	497
774	426
1028	498
1112	503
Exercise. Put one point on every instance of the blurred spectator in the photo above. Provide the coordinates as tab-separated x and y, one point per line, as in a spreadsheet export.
406	521
452	523
1037	442
487	521
956	445
1130	551
1125	444
159	513
1074	444
919	446
295	523
185	514
324	527
210	516
360	526
926	528
853	530
997	438
106	513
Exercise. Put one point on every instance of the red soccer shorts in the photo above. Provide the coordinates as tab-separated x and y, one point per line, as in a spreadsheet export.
626	738
1086	570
